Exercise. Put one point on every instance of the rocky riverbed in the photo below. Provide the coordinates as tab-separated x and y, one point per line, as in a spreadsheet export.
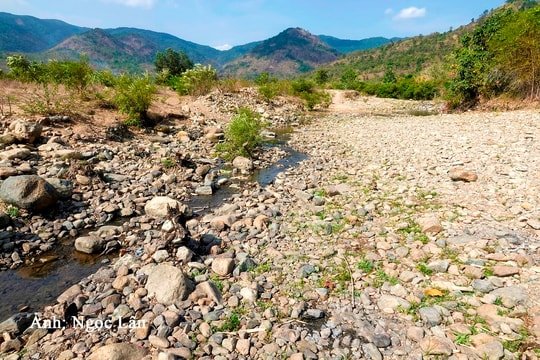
398	237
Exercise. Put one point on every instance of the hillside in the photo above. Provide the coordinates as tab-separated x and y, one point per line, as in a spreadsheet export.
348	46
28	34
290	52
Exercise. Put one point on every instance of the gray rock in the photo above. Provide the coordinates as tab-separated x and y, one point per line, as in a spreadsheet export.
430	316
440	266
168	284
371	352
63	187
483	286
511	295
492	350
29	192
17	323
5	220
120	351
89	244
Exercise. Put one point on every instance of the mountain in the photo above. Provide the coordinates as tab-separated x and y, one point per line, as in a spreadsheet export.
27	34
347	46
290	52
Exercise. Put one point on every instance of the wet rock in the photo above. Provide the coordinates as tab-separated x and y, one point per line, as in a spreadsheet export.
89	244
120	351
29	192
168	284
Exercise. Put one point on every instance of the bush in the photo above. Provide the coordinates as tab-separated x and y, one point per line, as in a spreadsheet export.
133	96
197	81
242	135
306	90
171	63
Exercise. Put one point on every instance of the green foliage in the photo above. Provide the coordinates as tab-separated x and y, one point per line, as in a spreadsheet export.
133	96
321	77
307	91
197	81
267	86
172	63
13	211
24	70
501	55
242	135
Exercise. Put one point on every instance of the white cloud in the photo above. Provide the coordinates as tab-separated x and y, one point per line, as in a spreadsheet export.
388	11
411	13
223	47
146	4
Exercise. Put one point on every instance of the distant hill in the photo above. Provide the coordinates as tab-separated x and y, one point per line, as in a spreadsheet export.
28	34
347	46
290	52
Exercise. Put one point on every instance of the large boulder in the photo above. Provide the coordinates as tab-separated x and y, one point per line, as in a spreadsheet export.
63	187
29	192
26	132
159	206
168	284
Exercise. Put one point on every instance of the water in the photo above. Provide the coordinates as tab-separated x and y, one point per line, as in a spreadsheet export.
40	284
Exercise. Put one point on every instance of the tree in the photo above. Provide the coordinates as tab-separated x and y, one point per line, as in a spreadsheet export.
516	49
173	63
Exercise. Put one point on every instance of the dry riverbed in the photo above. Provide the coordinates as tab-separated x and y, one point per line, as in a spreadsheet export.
400	237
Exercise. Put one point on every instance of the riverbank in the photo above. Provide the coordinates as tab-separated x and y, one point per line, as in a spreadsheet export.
399	237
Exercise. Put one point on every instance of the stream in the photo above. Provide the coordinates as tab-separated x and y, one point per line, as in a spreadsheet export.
38	285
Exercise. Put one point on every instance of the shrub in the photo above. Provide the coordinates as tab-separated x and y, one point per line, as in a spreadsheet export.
242	135
133	96
306	90
197	81
172	63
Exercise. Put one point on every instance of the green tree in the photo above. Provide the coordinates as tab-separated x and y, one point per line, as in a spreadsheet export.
172	62
516	49
133	96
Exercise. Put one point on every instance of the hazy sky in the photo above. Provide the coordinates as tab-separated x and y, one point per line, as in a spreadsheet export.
221	23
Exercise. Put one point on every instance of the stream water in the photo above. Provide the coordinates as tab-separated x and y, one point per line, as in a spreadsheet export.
40	284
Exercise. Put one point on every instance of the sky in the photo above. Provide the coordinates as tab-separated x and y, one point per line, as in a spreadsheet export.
225	23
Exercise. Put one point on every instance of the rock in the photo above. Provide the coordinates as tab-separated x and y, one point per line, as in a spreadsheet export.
18	153
158	207
223	266
207	290
503	271
63	187
492	350
430	224
120	351
243	164
222	222
29	192
511	295
204	190
371	352
392	303
440	266
168	284
243	346
68	154
435	345
5	220
26	132
17	323
89	244
184	254
430	316
7	171
459	174
248	295
483	286
70	294
534	223
7	139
